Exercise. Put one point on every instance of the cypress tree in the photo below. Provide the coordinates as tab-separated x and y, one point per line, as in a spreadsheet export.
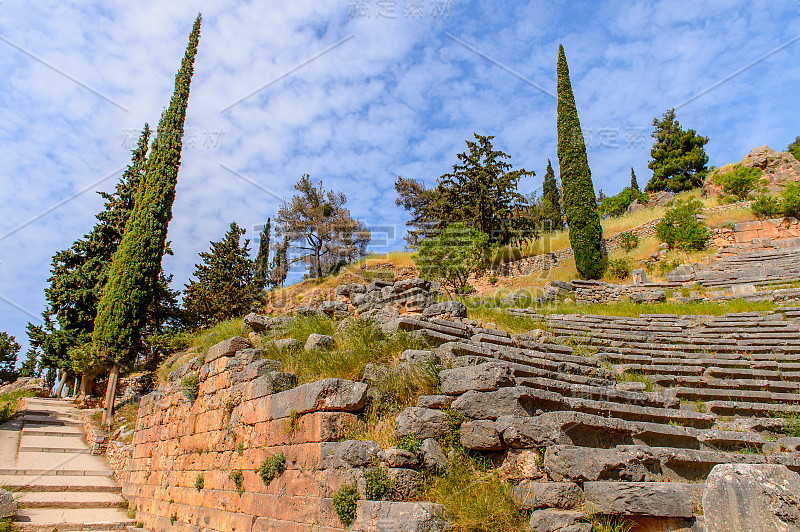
137	262
551	202
261	266
580	203
634	183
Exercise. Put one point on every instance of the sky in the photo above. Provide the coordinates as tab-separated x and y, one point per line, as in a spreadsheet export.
356	93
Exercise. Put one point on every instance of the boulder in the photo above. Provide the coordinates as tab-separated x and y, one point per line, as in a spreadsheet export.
681	274
485	377
434	401
752	498
533	495
777	169
349	453
226	348
419	356
521	464
660	199
481	435
635	206
318	341
515	401
432	454
395	457
421	422
330	307
453	308
577	464
8	506
406	284
559	521
308	311
406	482
658	499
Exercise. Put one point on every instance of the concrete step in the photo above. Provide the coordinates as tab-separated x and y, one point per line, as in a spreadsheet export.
93	483
69	499
63	519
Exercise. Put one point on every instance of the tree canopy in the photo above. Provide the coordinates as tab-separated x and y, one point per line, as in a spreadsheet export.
9	348
320	228
678	157
580	203
224	281
551	214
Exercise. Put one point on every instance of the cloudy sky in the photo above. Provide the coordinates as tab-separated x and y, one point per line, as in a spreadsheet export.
356	93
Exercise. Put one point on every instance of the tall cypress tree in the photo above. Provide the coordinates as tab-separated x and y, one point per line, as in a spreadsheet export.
551	202
634	183
580	203
261	266
137	261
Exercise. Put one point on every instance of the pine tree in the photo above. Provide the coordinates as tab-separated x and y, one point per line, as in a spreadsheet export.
261	267
8	357
224	281
551	202
679	159
418	201
137	262
580	204
634	183
482	193
280	263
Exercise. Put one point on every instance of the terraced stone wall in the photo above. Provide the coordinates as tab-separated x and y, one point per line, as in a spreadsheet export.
194	460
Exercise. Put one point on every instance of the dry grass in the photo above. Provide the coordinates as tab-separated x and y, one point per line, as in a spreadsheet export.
734	216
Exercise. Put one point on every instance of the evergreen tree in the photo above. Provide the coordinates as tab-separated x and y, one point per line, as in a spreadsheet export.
418	201
794	148
634	183
224	281
679	159
30	368
482	192
8	357
318	224
580	204
280	263
261	267
137	262
551	202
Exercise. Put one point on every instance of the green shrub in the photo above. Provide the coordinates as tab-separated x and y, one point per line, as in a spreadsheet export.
790	199
618	205
450	257
409	443
345	503
628	241
619	268
740	183
766	207
376	483
199	481
680	228
190	385
238	478
794	148
271	467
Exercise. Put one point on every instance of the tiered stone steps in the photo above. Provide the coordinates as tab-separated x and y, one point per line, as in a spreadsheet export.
759	268
57	483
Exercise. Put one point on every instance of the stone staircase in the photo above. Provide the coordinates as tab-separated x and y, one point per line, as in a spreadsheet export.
763	268
57	483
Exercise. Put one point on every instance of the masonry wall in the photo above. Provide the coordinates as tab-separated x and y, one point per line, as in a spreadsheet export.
238	419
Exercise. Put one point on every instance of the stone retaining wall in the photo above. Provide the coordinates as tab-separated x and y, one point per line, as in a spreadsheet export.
754	232
118	455
96	438
194	462
587	292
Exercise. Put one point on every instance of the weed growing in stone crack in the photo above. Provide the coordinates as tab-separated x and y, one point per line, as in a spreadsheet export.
240	449
633	376
190	385
700	406
238	478
173	517
376	483
610	523
293	423
199	482
345	503
271	467
229	406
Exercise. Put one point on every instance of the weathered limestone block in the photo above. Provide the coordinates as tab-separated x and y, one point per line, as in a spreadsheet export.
190	366
318	341
432	454
400	517
323	395
512	401
8	506
349	453
421	422
406	482
453	308
481	435
548	520
659	499
752	498
521	464
434	401
576	464
333	306
485	377
395	457
272	382
533	495
419	356
226	348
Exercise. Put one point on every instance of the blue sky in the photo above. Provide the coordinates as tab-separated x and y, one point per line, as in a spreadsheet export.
356	93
